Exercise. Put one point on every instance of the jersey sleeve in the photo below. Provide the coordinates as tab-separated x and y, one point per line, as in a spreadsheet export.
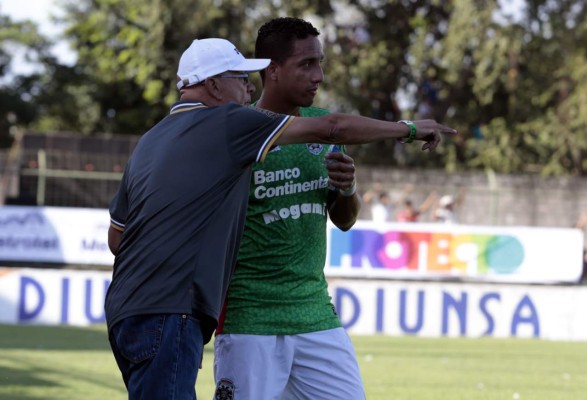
252	132
312	111
119	206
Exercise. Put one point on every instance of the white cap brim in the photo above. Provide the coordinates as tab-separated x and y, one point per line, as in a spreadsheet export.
252	65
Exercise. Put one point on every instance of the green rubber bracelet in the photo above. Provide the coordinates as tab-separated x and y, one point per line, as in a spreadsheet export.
412	134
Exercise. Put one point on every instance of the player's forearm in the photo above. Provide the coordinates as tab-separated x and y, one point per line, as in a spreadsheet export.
354	129
341	128
344	211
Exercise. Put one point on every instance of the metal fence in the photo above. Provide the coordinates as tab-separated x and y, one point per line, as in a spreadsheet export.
79	171
69	170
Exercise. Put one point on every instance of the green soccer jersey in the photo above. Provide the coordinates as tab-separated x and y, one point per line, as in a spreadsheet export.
279	287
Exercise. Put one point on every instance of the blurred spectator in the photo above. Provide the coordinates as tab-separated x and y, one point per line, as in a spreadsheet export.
409	213
381	204
446	210
477	132
425	109
370	196
429	90
428	99
581	221
382	210
581	224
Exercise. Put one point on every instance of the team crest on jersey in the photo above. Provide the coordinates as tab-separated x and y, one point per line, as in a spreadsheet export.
314	148
224	390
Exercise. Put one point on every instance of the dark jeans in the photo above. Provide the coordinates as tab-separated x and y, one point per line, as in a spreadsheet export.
158	355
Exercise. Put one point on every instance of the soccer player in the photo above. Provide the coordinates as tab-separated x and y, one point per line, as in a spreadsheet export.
281	337
179	213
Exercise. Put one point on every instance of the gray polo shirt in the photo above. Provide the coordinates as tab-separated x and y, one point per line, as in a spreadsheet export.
181	206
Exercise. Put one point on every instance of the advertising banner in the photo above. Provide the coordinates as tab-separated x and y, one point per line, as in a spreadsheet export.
78	236
397	308
436	309
55	235
52	297
437	251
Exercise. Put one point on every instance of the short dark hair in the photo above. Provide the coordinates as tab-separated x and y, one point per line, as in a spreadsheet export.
275	39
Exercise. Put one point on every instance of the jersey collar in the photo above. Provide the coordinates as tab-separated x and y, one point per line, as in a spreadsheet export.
182	106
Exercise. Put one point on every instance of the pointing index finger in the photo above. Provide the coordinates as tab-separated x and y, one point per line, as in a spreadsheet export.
446	130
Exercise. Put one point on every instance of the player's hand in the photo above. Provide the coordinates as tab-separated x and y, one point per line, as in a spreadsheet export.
430	132
341	170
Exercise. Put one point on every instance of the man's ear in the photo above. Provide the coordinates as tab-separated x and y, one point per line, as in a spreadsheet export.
272	71
213	89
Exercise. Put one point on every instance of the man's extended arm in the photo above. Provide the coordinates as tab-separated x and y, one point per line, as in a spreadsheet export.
354	129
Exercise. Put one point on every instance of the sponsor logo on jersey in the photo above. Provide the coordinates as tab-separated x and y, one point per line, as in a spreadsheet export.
314	148
294	211
224	390
264	192
261	176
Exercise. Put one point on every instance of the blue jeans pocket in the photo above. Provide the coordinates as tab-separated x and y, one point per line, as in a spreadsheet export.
139	338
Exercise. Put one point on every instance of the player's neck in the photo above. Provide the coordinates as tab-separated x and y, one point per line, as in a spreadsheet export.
277	104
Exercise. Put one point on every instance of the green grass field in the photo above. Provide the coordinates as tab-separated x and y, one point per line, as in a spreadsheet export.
69	363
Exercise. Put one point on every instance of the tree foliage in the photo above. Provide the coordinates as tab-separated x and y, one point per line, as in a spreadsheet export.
515	87
17	38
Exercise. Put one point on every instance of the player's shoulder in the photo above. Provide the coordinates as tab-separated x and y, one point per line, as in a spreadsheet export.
271	114
251	112
313	111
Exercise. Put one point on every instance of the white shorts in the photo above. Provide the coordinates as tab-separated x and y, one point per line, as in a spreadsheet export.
318	366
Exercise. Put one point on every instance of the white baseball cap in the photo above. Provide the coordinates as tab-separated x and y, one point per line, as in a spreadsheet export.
446	200
209	57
